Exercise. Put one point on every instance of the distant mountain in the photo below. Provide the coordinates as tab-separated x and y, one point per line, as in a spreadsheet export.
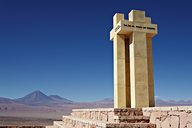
37	98
60	99
6	100
160	102
34	98
106	100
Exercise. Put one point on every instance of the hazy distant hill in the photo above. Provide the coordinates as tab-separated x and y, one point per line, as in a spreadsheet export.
39	105
160	102
34	98
60	99
6	100
106	100
37	98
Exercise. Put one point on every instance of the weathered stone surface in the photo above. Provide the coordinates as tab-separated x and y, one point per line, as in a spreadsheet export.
174	121
50	127
105	118
154	116
83	123
189	126
110	117
183	119
189	117
128	112
158	123
166	123
174	117
131	119
162	117
131	125
95	114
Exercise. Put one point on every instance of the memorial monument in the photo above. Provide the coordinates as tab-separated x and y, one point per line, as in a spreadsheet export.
133	67
133	78
133	84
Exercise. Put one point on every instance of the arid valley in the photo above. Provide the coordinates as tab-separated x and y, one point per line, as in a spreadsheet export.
37	108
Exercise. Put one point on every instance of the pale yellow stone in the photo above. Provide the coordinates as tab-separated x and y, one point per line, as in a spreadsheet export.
137	16
119	72
133	64
117	17
150	73
127	61
139	70
148	20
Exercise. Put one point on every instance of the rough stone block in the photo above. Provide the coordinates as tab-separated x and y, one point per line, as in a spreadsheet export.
166	123
183	119
174	121
137	16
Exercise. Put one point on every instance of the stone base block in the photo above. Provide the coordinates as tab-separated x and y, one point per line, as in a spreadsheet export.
73	122
105	118
50	127
59	124
131	125
131	119
105	114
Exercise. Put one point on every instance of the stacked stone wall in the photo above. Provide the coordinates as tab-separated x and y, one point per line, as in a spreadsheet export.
170	117
94	114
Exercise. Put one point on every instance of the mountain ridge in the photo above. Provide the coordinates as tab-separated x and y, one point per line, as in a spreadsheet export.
59	98
34	98
38	98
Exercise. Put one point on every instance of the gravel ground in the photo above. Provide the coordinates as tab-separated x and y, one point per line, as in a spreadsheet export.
17	121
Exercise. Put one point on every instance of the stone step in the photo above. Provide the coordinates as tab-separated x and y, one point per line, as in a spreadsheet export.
131	119
130	125
128	112
50	127
106	114
59	124
73	122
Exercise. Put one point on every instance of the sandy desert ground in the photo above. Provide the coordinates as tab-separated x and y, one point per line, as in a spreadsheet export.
13	114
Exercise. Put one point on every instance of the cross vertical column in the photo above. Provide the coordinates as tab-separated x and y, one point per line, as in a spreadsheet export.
139	70
119	67
127	68
150	72
139	63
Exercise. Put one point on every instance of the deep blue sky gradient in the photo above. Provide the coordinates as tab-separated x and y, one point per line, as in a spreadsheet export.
62	47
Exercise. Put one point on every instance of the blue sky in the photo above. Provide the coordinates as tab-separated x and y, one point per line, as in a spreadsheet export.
62	47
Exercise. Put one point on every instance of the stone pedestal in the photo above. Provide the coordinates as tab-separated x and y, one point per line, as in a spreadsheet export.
133	78
104	118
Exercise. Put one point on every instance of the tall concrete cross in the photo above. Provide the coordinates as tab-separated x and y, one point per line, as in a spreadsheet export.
133	67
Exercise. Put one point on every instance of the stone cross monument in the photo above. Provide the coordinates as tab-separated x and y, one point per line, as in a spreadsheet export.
133	67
